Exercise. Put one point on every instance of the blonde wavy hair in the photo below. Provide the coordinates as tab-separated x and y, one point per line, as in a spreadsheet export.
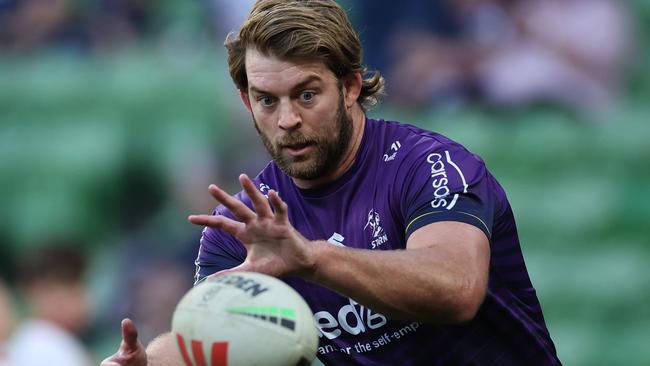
303	29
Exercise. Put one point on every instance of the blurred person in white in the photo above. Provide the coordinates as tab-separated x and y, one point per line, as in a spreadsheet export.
510	53
51	281
7	318
571	52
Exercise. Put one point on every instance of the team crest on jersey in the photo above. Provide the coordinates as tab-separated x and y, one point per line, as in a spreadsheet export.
373	225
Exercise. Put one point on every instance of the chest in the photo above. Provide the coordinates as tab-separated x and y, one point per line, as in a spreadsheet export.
363	218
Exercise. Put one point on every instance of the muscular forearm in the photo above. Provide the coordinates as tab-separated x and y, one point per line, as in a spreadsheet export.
440	277
419	284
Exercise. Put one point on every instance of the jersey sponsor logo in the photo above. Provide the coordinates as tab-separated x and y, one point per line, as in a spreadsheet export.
218	352
353	319
379	236
440	180
392	152
336	239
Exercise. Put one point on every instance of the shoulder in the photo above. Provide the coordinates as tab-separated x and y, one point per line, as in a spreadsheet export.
411	137
408	146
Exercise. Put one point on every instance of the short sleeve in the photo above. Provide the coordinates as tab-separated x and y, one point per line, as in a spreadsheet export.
445	182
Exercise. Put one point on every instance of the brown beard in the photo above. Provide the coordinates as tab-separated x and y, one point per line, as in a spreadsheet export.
326	156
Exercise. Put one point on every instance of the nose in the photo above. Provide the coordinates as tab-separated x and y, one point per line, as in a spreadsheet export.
289	118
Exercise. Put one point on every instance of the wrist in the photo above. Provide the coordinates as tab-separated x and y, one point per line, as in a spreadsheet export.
316	251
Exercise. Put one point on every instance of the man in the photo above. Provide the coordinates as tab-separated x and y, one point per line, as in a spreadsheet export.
400	240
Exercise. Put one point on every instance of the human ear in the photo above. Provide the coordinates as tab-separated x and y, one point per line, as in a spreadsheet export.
352	88
243	94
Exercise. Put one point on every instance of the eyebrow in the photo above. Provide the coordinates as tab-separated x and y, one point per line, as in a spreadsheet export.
296	87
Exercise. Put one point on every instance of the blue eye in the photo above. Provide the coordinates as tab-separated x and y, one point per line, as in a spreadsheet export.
307	96
265	101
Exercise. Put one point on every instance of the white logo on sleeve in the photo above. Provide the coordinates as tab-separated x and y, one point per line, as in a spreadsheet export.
392	153
379	237
440	180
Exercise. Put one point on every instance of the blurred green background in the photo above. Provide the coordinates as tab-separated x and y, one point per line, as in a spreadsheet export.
124	143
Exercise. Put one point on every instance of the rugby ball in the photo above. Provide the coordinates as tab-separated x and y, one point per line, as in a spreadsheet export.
244	319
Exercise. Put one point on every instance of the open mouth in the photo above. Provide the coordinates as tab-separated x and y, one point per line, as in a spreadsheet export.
298	149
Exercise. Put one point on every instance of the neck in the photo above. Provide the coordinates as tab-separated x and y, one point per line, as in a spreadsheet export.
349	156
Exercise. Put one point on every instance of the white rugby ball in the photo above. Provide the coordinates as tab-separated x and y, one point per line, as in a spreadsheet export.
244	319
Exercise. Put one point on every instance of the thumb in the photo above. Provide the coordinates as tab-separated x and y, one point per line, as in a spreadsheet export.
129	336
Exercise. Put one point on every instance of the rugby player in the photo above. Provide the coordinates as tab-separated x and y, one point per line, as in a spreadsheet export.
400	240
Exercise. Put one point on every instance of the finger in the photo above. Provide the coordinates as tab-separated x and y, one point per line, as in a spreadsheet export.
129	335
237	207
260	203
279	206
218	222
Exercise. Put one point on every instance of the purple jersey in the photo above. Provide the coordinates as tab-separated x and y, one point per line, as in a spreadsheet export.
405	178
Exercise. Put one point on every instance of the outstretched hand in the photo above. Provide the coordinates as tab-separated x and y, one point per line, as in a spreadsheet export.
274	246
131	351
